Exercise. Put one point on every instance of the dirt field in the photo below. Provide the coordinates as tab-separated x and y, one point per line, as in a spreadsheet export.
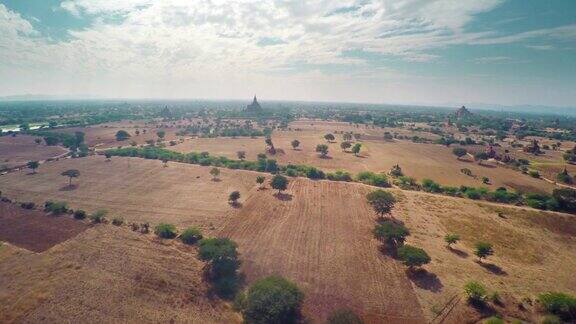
417	160
107	275
17	151
136	189
321	238
534	251
33	230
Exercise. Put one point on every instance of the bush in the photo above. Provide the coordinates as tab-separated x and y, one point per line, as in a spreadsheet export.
560	304
475	291
80	214
483	250
191	235
273	300
431	186
493	320
99	216
224	264
56	207
117	221
391	233
373	179
534	174
166	231
28	205
551	319
344	316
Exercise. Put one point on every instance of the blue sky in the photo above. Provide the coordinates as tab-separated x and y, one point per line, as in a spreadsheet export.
401	51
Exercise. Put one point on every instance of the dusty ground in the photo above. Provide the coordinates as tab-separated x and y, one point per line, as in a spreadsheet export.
417	160
136	189
17	151
107	275
34	230
320	237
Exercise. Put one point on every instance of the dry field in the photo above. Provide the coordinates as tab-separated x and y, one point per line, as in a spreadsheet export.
417	160
320	237
107	275
33	230
136	189
17	151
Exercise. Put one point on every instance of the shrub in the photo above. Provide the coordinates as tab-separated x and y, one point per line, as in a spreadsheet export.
344	316
166	231
565	198
483	250
99	216
493	320
459	152
234	196
551	319
273	300
431	186
56	207
451	239
79	214
339	176
534	174
413	256
118	221
28	205
475	291
560	304
191	235
373	179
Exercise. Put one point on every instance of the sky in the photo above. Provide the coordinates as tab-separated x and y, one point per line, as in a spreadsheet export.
435	52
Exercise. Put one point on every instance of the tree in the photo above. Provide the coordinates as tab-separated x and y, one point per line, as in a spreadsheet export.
165	162
273	300
241	155
224	264
481	156
161	134
122	135
413	256
347	137
260	180
475	291
322	149
345	145
356	148
215	172
233	197
560	304
459	152
391	233
37	140
329	137
295	143
71	173
33	165
108	156
279	182
381	201
451	239
483	250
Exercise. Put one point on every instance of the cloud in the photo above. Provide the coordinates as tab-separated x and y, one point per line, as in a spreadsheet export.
491	59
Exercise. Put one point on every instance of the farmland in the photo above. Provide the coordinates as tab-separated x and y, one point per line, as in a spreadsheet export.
16	151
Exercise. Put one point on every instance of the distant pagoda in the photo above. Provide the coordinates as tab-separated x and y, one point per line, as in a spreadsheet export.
254	107
463	113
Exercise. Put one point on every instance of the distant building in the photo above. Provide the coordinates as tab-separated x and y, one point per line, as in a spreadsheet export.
254	107
463	113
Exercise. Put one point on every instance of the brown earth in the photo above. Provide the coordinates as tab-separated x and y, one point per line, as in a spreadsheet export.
107	275
421	161
17	151
319	235
136	189
33	229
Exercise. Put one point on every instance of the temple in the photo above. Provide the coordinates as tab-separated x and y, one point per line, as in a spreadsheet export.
254	107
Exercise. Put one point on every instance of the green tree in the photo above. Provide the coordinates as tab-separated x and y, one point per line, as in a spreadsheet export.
483	250
33	165
413	256
161	134
122	135
345	145
71	173
356	148
475	291
279	182
391	233
381	201
560	304
451	239
241	155
191	235
222	255
108	156
215	172
329	137
322	149
273	300
295	143
347	137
